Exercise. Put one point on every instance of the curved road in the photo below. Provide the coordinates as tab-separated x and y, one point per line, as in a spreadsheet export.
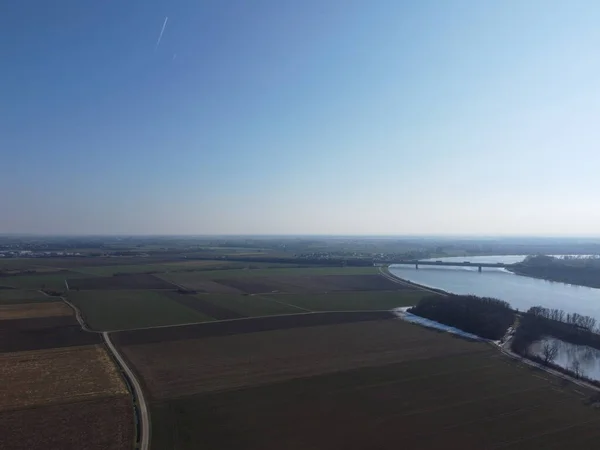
144	416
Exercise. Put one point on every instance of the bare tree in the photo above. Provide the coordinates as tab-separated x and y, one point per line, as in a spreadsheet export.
549	351
576	368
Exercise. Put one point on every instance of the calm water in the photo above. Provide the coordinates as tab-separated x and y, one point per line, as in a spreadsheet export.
588	358
521	292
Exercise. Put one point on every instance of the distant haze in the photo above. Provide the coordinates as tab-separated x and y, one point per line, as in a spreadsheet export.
300	117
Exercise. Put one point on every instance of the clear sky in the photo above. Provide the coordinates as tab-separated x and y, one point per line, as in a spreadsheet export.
303	116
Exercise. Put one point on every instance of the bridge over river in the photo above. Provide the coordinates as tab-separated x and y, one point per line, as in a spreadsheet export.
479	265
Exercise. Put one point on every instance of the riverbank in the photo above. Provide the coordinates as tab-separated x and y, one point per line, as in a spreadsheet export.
386	273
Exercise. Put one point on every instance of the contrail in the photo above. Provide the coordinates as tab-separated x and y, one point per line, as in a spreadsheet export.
161	33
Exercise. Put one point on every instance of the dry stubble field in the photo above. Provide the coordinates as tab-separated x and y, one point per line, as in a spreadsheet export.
67	398
373	384
31	310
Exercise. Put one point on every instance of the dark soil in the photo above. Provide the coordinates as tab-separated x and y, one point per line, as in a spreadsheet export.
128	281
296	284
250	325
42	333
103	424
205	307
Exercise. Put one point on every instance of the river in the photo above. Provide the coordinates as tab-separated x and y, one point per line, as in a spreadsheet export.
520	291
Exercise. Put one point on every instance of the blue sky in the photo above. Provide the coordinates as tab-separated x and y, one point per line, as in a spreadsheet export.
307	116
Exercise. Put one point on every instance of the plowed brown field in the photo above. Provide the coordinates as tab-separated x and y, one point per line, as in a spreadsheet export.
220	363
97	424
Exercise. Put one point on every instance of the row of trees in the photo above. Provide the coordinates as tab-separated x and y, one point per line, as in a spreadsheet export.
577	320
485	317
583	272
539	322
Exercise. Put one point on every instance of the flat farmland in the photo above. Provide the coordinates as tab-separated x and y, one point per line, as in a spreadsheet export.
33	333
154	268
126	281
54	281
235	361
31	310
373	384
249	305
74	373
12	296
79	402
205	307
271	304
281	280
349	301
184	278
475	401
127	309
98	424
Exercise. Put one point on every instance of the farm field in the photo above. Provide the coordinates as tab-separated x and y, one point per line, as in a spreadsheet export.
55	281
31	310
272	304
240	360
296	284
73	373
12	296
106	310
155	268
249	305
280	280
79	402
97	424
382	380
183	277
126	281
349	301
42	325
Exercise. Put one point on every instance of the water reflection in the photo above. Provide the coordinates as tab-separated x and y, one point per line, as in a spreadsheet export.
577	358
520	291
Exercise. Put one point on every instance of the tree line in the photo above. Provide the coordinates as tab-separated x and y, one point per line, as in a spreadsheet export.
579	271
482	316
539	322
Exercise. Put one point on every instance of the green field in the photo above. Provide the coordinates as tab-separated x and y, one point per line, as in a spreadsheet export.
350	301
183	277
121	310
54	281
12	296
249	305
147	268
272	304
190	266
